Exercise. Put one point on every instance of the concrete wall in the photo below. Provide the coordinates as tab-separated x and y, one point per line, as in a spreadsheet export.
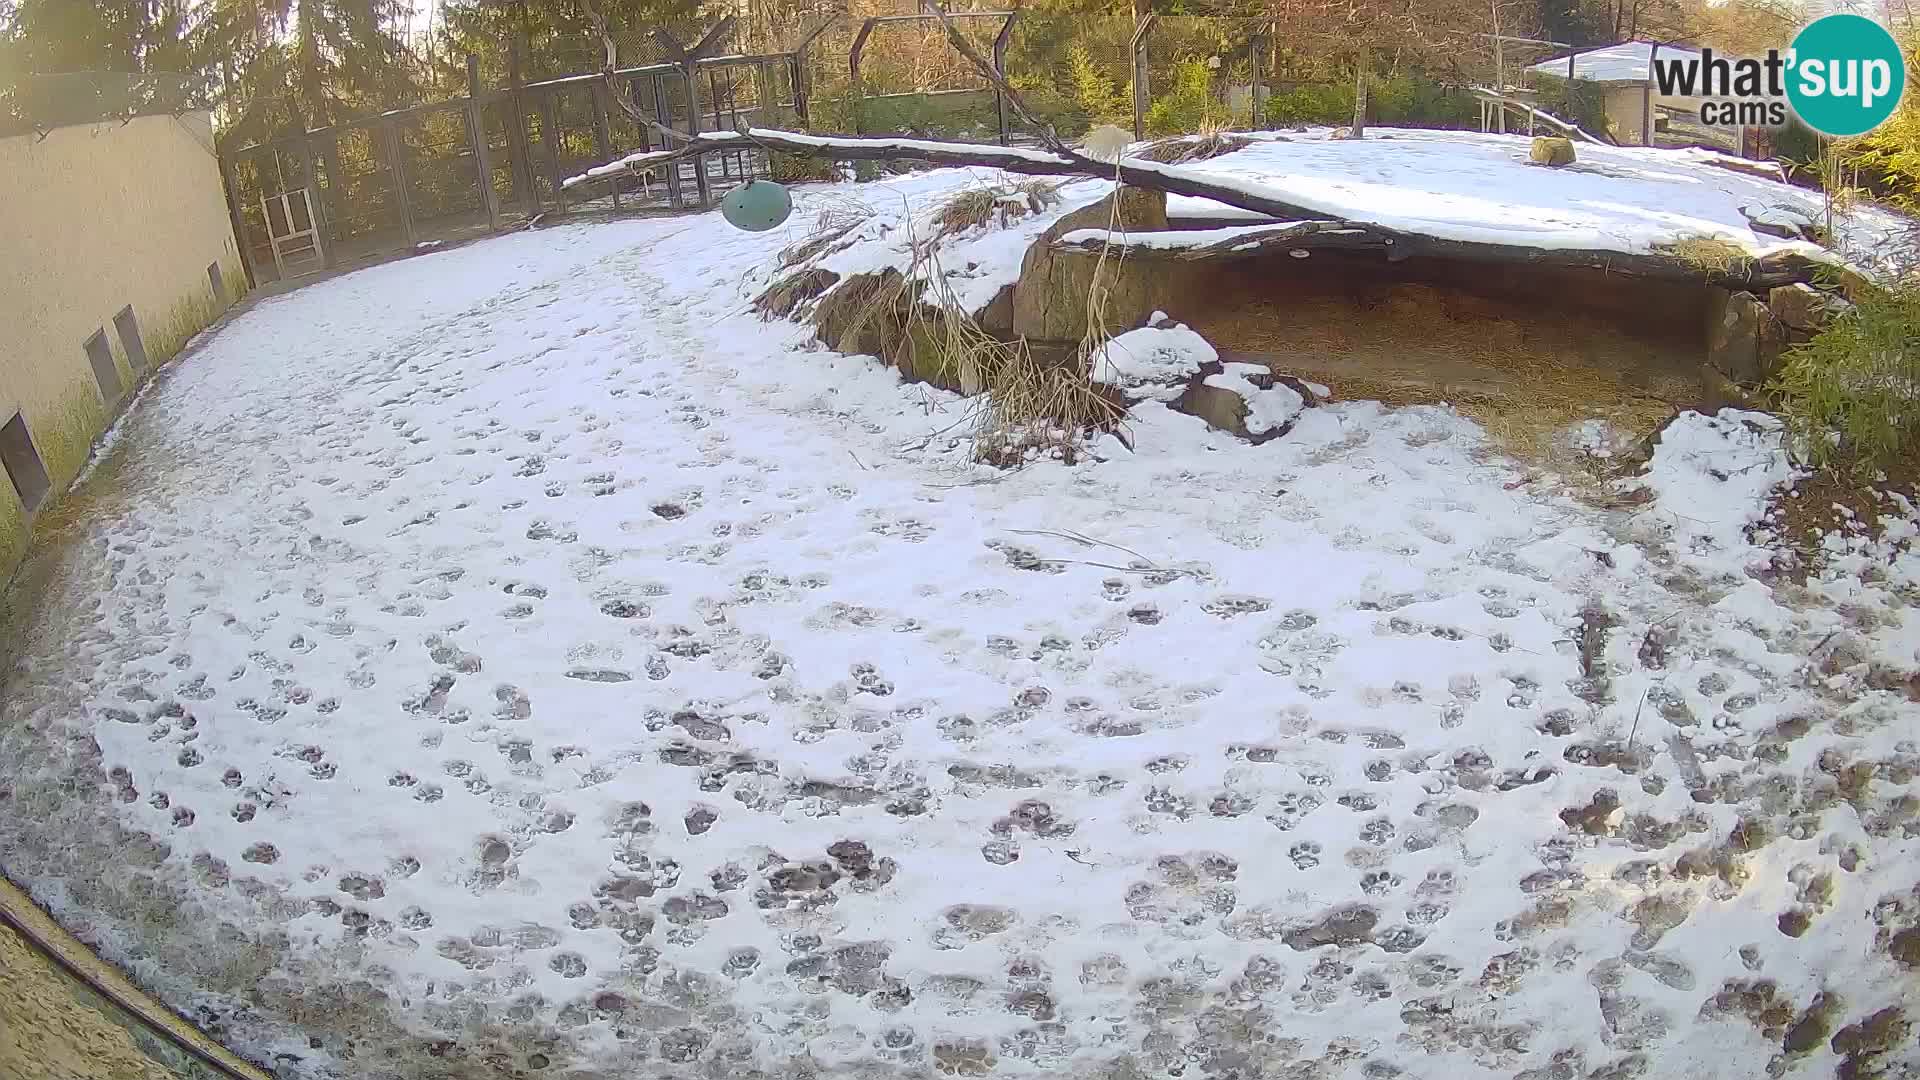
93	218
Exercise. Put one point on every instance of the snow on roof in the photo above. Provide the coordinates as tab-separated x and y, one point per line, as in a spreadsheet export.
1629	61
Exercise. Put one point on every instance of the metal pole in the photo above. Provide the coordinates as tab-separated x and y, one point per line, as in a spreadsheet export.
1254	55
1646	99
1000	42
1500	75
692	74
1140	91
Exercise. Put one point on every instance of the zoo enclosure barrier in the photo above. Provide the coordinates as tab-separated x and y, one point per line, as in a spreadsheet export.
448	171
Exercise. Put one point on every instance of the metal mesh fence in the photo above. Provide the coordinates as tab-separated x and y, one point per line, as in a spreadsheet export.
441	171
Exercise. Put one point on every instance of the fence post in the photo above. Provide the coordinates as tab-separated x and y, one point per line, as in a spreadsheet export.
603	137
517	146
482	145
1000	68
228	181
1254	56
664	114
855	89
397	164
1646	97
1141	96
550	144
323	225
797	75
700	185
335	175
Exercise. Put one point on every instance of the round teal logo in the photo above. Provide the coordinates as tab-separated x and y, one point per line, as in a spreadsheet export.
1847	75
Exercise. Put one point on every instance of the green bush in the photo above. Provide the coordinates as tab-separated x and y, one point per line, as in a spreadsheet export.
1312	103
1188	106
1852	394
1095	95
1407	99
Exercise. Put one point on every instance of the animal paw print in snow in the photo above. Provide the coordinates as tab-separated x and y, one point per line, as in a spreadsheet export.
1305	855
867	680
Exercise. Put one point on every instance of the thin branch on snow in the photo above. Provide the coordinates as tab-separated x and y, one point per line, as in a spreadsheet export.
1082	538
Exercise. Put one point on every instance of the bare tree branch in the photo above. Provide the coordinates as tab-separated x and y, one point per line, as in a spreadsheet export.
610	72
1042	130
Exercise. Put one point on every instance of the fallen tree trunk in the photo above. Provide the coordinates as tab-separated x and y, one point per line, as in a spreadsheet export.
1172	179
1305	237
1314	227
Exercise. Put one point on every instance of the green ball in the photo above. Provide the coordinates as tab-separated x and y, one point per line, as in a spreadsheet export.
756	206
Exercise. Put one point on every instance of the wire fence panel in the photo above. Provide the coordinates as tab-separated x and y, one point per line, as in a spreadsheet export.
545	112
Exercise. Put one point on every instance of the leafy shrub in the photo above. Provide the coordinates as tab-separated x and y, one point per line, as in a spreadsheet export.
1098	98
1406	99
1852	394
1188	104
1312	103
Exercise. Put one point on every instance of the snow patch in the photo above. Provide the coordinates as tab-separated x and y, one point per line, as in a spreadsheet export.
1712	476
1154	362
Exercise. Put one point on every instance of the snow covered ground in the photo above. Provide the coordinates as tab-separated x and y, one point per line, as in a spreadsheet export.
520	660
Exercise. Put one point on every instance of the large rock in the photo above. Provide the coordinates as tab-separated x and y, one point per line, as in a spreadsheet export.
1802	307
1744	340
1050	299
1246	400
1552	150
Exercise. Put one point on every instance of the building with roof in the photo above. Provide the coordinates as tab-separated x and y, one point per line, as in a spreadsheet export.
1637	114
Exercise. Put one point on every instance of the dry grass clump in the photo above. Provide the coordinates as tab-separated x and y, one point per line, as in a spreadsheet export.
1711	255
832	223
1032	407
997	204
795	290
1180	149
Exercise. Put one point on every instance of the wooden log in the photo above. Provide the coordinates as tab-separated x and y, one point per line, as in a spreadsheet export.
1396	245
1780	268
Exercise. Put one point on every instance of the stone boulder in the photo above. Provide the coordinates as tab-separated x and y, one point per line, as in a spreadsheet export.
1164	361
1744	340
1246	400
1551	150
1050	299
1802	307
